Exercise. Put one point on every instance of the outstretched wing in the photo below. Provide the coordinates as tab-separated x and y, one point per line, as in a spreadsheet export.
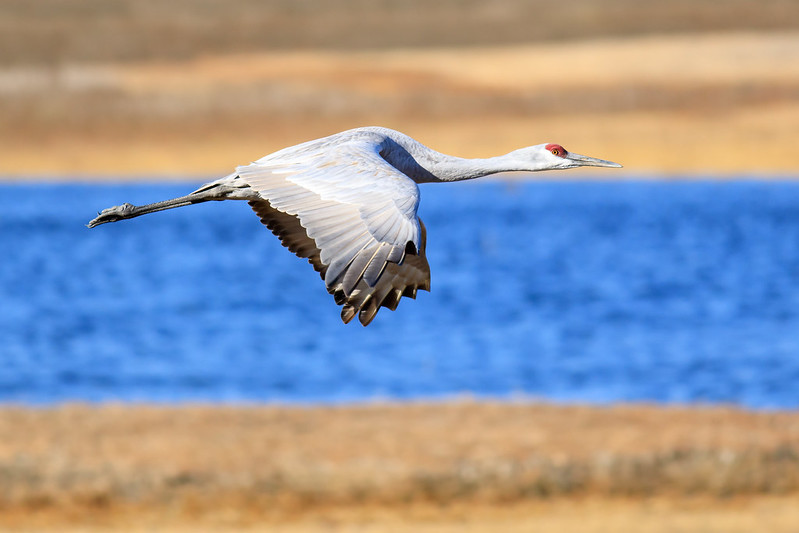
352	214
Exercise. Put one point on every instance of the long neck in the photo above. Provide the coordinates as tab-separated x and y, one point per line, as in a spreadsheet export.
450	168
425	165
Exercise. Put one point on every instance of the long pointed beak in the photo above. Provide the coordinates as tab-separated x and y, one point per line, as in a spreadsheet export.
585	161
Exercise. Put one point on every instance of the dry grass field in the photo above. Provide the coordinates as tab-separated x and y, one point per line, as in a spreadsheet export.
131	89
53	31
709	105
418	467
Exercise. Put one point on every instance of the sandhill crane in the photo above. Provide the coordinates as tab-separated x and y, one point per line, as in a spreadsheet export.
348	204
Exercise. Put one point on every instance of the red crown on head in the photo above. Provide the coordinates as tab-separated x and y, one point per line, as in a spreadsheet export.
557	150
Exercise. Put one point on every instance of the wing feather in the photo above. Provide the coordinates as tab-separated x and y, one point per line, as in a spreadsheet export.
376	264
351	214
397	281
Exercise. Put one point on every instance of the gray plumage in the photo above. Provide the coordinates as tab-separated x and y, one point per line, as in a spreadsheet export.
348	204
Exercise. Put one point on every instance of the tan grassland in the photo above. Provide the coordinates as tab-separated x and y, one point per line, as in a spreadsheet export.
706	104
383	467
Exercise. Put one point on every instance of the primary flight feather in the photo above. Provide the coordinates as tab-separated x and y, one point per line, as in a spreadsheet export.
348	204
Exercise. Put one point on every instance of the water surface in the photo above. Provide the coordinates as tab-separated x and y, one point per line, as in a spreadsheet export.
597	292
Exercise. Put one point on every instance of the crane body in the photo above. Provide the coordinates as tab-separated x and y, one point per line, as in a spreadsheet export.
348	203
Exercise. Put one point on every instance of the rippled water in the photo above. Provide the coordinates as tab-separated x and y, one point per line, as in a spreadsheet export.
598	292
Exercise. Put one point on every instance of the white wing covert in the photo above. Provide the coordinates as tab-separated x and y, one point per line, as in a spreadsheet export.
352	214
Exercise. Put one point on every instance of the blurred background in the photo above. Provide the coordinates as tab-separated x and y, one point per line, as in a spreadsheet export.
190	87
620	343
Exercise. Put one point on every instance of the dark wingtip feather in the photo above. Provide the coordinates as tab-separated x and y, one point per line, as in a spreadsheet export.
347	313
339	297
392	300
368	312
410	292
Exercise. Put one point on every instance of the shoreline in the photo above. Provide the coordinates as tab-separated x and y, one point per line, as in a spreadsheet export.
450	461
75	455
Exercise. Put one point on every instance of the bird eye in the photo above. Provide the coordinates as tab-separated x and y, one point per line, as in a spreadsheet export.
556	149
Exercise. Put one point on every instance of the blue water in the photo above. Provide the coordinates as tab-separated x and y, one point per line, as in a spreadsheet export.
579	292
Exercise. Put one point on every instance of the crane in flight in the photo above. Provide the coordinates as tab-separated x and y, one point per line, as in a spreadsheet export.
348	204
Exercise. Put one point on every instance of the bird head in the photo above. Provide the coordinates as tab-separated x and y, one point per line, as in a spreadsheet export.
554	156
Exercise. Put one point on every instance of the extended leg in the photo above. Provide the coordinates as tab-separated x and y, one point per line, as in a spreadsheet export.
214	191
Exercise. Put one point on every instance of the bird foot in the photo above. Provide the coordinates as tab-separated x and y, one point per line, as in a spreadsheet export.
112	214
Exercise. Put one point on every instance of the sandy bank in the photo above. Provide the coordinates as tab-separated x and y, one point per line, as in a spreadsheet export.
286	464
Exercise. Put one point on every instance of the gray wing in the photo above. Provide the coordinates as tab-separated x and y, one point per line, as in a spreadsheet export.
352	215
